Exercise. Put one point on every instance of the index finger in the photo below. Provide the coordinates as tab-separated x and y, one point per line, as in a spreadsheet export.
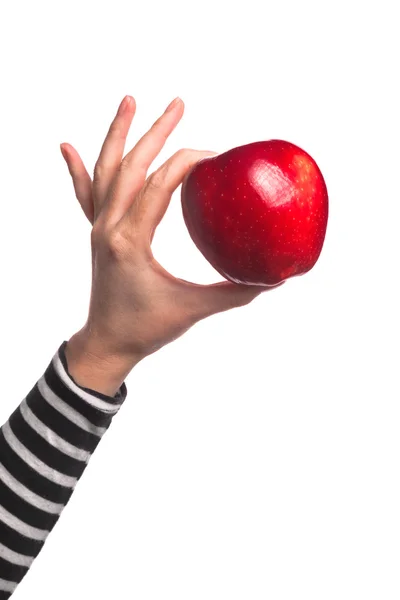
152	204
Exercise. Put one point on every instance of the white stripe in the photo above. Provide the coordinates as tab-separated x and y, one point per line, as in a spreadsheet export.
7	586
67	411
93	400
27	495
14	557
35	462
50	436
22	527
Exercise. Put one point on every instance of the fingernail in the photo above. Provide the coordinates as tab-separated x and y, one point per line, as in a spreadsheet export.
63	152
124	104
172	105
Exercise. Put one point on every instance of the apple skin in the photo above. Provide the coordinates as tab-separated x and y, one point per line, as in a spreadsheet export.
258	213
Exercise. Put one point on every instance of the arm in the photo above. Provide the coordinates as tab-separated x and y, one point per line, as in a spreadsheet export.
44	449
136	307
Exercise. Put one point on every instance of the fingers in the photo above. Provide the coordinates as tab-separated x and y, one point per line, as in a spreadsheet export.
150	206
218	297
112	151
132	172
80	179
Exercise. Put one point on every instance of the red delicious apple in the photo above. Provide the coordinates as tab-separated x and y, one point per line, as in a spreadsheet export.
258	213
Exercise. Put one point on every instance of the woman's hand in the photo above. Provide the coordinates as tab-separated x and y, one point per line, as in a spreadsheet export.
136	306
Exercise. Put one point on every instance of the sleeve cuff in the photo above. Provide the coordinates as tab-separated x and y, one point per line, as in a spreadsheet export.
61	366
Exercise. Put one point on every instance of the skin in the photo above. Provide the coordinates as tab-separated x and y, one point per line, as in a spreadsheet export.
136	306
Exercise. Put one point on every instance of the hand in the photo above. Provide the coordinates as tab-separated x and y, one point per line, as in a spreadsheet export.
136	306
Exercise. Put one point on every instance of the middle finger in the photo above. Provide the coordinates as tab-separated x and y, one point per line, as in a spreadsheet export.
112	151
133	169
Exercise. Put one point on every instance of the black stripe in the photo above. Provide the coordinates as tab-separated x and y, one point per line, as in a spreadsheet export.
24	511
5	595
94	415
10	571
48	454
17	542
33	480
59	424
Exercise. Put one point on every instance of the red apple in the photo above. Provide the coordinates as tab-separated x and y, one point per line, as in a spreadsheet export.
258	213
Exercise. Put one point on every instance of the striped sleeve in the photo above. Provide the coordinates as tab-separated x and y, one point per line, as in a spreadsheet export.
44	449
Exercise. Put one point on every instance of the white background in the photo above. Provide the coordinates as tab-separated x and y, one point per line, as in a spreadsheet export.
258	456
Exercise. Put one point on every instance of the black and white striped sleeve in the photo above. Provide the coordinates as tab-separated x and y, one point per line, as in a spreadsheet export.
44	449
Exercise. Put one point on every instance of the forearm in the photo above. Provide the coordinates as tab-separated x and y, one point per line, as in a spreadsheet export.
44	448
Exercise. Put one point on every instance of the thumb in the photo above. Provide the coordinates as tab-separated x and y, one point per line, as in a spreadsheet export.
219	297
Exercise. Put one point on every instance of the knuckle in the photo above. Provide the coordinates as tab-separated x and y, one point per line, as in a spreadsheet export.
124	244
116	129
155	180
105	238
188	157
185	154
117	244
157	122
158	126
99	171
124	165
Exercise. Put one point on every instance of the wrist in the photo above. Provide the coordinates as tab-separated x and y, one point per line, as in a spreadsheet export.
92	367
